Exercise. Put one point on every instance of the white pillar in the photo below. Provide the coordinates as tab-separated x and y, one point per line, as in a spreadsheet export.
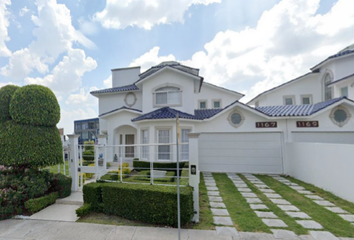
74	162
194	175
102	142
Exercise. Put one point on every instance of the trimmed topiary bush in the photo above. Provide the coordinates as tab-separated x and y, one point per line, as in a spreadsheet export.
84	210
93	195
29	146
61	184
35	105
6	93
34	205
147	203
168	166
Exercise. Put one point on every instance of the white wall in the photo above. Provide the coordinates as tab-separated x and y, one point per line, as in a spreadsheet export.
109	102
125	76
308	85
211	93
328	166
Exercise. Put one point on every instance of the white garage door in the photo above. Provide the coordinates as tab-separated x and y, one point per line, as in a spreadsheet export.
324	137
240	152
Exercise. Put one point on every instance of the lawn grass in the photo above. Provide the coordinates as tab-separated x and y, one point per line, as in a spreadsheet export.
54	169
346	205
242	215
330	221
205	215
292	224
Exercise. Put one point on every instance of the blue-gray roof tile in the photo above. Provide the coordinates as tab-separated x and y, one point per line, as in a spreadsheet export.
126	88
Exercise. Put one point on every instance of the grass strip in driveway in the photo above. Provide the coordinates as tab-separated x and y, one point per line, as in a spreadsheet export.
240	212
339	202
330	221
206	221
292	224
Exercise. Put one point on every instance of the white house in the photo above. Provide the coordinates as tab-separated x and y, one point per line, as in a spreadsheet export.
141	108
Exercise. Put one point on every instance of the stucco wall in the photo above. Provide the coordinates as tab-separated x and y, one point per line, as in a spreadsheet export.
113	101
328	166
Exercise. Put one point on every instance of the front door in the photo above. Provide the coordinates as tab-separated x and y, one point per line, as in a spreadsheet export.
129	140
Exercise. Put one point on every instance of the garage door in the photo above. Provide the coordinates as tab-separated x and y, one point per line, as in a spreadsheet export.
324	137
240	152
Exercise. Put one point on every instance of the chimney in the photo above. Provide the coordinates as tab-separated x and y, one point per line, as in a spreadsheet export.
124	76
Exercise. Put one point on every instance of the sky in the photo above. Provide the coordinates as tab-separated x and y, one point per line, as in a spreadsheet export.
248	46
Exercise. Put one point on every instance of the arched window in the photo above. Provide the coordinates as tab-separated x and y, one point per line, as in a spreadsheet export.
327	91
168	96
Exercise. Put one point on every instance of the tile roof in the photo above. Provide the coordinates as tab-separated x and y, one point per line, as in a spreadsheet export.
340	54
206	113
342	79
165	113
296	110
126	88
121	108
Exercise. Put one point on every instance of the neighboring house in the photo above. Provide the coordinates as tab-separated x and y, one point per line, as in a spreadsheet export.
87	129
331	78
141	108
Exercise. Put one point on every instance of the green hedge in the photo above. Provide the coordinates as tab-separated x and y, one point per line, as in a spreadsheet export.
84	210
147	203
34	205
93	195
168	166
29	146
35	105
61	184
6	93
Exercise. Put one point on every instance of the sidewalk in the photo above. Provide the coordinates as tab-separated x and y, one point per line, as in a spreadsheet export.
14	229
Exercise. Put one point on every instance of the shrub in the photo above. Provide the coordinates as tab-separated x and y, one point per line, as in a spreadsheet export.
84	210
61	184
147	203
88	156
34	205
29	146
6	93
35	105
93	195
89	145
90	175
141	165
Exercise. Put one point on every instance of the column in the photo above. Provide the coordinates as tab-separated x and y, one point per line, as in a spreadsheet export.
194	177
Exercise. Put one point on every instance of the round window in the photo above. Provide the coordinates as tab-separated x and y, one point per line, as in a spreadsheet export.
340	115
130	99
235	118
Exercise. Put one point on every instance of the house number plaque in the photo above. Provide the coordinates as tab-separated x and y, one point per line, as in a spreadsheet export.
266	124
307	124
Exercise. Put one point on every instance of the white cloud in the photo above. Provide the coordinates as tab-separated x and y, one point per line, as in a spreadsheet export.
288	40
24	11
88	27
151	58
54	35
68	117
66	76
83	98
120	14
108	82
4	24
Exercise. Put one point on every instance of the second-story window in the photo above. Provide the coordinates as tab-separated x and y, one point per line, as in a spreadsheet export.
167	96
327	90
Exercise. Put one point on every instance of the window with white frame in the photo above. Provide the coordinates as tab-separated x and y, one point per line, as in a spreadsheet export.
185	147
164	151
289	100
306	99
344	91
168	96
327	91
144	140
216	104
202	104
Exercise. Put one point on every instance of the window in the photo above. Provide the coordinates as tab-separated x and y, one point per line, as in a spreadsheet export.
144	140
289	100
216	104
202	105
78	126
340	116
236	118
129	151
327	91
168	96
344	91
164	151
306	99
84	135
185	147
